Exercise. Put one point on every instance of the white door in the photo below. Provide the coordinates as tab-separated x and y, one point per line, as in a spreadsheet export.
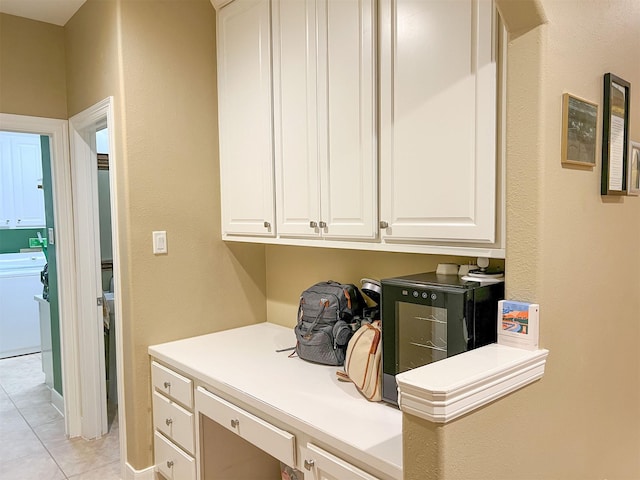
319	464
324	105
245	118
438	120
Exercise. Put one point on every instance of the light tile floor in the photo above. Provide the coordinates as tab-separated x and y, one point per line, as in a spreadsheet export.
33	444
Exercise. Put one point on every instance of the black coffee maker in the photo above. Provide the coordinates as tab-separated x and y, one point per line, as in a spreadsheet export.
372	289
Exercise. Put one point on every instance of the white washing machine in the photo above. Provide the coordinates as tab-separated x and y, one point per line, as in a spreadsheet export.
19	314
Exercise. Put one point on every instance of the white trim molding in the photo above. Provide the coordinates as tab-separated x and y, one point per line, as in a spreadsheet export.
445	390
144	474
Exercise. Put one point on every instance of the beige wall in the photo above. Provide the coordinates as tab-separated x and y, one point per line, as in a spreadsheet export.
575	253
32	71
290	270
158	60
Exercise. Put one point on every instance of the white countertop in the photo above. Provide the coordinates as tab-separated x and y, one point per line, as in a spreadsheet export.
445	390
244	364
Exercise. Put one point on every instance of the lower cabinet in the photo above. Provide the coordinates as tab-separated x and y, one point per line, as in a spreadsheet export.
171	461
173	422
318	464
231	442
278	443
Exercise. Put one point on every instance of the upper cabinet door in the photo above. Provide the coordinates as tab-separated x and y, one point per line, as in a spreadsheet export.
347	96
295	51
21	190
245	118
324	108
438	120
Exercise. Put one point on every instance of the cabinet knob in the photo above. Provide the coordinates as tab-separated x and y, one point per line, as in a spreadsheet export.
167	384
169	463
313	224
235	423
19	220
323	224
308	464
384	224
168	421
267	225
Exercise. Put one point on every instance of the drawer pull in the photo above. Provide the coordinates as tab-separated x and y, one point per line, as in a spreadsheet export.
169	463
308	464
235	423
168	421
167	384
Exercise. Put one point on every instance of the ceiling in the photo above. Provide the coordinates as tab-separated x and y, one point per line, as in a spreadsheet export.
57	12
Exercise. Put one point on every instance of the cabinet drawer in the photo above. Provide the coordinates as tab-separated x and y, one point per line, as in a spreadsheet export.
276	442
174	421
172	384
322	465
172	462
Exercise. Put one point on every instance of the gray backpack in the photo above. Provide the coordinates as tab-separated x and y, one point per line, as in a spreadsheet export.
327	317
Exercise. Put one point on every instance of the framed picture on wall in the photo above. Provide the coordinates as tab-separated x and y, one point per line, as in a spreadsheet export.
579	131
634	169
615	135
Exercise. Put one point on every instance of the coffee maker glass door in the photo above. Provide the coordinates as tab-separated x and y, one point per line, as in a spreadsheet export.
422	335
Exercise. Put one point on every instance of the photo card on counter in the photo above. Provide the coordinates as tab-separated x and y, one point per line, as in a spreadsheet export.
518	324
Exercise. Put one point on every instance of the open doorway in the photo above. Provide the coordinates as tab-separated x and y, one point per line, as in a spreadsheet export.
83	371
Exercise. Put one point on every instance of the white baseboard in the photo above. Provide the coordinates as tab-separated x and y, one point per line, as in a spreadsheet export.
144	474
57	401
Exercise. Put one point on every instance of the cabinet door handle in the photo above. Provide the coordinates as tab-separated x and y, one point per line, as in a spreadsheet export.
308	464
235	423
313	224
169	463
323	224
267	225
168	421
384	225
167	384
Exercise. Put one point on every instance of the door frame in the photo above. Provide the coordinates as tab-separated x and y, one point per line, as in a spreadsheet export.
75	378
58	131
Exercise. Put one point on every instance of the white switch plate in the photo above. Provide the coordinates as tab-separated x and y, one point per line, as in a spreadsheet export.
159	242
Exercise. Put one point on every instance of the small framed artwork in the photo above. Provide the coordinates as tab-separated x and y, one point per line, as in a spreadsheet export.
634	169
615	135
579	131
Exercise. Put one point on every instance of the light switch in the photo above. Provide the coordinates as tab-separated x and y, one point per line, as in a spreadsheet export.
159	242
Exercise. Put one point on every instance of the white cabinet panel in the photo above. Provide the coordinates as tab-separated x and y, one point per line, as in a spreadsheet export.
173	421
296	116
438	120
324	105
172	384
245	118
319	464
276	442
22	202
172	462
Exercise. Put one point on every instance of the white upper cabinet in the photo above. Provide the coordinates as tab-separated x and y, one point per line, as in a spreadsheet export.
21	195
245	118
438	121
324	118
